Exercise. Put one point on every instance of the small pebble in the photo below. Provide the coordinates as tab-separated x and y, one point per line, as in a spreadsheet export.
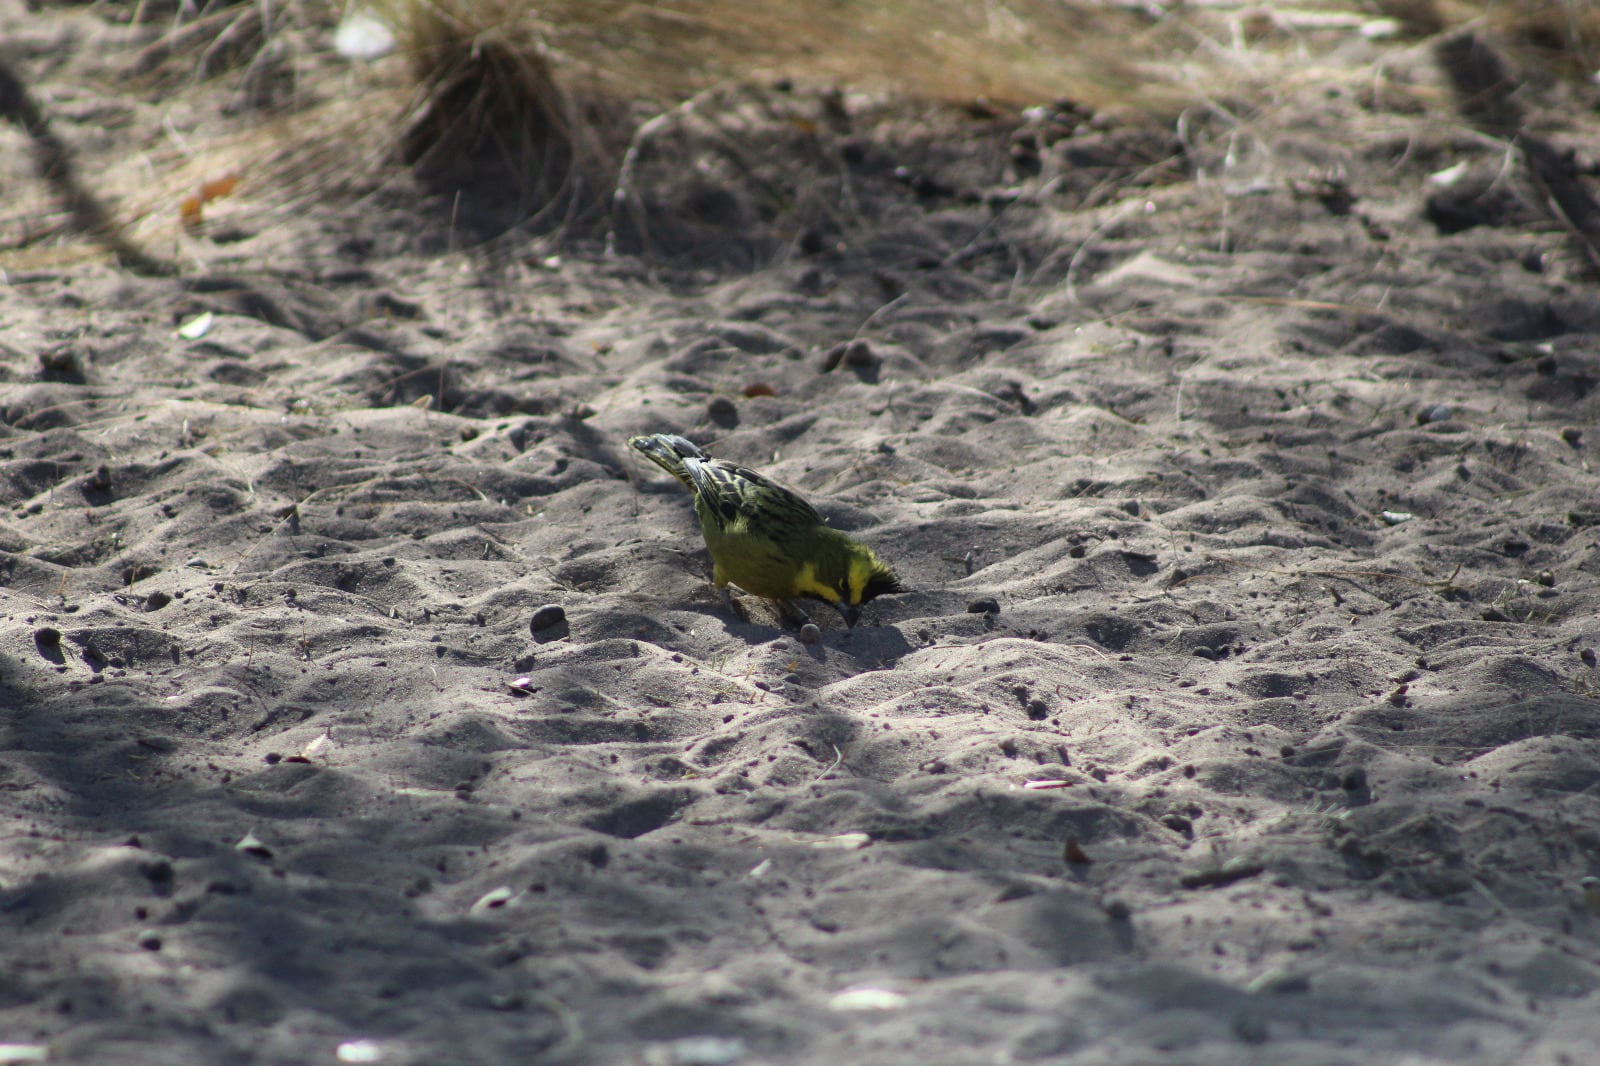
50	636
1354	779
150	940
1252	1029
722	407
1434	412
551	614
860	355
810	633
1279	982
986	605
249	845
1588	657
1591	894
1573	436
1395	518
504	1000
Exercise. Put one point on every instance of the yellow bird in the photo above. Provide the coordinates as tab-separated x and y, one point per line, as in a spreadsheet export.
767	539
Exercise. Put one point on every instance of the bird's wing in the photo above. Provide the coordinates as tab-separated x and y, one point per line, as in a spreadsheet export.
733	493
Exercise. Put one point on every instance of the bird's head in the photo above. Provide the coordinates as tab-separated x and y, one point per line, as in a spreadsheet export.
866	577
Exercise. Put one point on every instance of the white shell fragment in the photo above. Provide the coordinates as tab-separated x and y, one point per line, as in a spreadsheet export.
493	900
197	327
843	842
360	1051
249	844
1395	518
867	999
362	35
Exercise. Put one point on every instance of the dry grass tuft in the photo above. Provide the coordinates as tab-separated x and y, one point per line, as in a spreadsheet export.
1017	53
525	107
490	114
1562	36
549	112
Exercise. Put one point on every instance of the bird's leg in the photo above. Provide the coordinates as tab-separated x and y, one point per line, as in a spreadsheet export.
794	613
733	606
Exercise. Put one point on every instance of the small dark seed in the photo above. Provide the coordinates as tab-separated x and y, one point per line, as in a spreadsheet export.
50	636
986	605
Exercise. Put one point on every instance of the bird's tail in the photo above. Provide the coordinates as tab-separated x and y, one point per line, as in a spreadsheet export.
668	452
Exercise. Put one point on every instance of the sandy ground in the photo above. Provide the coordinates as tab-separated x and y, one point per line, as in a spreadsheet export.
1243	709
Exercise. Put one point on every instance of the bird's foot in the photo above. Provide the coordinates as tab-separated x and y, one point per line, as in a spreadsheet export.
733	606
793	613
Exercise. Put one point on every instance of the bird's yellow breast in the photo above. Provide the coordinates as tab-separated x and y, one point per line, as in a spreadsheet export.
806	584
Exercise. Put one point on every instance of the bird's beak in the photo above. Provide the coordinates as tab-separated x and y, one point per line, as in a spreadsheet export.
850	612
